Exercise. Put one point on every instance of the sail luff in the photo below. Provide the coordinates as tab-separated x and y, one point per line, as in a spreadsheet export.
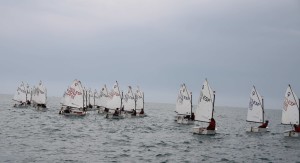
263	109
294	96
213	108
290	111
205	104
114	100
183	103
255	111
128	100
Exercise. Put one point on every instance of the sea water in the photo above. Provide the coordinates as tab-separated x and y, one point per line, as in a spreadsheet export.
29	135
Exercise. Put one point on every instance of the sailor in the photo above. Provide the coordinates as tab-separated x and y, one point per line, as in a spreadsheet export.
187	117
212	124
193	117
134	112
264	125
142	111
116	111
296	128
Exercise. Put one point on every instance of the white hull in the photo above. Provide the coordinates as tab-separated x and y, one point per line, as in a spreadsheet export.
203	131
175	118
41	108
101	111
291	133
256	129
140	115
73	113
129	115
112	116
21	106
182	120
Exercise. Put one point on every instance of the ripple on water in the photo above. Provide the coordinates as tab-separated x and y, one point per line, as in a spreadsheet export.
32	136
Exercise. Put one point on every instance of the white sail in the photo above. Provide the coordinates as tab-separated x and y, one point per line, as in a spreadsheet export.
94	96
33	94
205	106
103	97
90	97
28	93
40	94
184	101
74	95
290	111
129	100
115	99
85	98
139	97
20	94
256	108
62	100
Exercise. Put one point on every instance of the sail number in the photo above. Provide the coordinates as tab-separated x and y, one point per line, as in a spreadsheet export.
252	102
288	102
205	98
182	97
72	93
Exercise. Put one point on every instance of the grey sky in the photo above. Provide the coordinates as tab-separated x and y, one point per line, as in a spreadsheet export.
155	44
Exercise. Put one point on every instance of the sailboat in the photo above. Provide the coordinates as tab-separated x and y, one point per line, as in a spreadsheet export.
184	106
102	99
256	111
114	103
290	112
140	103
39	96
129	104
205	109
74	100
21	96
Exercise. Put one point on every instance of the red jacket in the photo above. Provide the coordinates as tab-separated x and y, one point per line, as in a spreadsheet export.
212	125
264	125
297	128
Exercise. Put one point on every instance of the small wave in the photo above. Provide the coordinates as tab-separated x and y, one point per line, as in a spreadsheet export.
264	159
164	155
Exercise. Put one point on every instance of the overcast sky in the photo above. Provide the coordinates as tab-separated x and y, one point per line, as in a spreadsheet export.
156	44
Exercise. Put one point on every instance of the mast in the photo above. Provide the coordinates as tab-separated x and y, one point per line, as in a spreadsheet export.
83	99
263	108
121	100
143	101
213	109
86	104
94	98
191	103
135	99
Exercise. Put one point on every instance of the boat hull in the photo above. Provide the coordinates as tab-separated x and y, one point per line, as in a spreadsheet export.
291	133
101	111
182	120
73	113
20	106
112	116
203	131
130	115
257	130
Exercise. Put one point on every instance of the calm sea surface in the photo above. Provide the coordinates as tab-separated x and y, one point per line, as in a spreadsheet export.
28	135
